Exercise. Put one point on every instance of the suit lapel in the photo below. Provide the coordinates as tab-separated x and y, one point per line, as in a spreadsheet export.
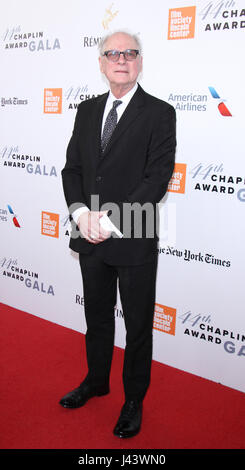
96	123
132	111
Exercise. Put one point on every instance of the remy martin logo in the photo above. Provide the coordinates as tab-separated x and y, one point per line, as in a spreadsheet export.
109	16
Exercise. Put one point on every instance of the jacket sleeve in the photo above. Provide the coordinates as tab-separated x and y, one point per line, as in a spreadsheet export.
160	161
72	171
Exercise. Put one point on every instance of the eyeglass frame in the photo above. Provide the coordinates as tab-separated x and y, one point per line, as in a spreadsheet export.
122	52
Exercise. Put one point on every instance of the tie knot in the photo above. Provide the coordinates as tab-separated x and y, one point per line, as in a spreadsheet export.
116	103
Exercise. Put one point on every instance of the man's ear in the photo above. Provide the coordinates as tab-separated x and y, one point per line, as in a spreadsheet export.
141	63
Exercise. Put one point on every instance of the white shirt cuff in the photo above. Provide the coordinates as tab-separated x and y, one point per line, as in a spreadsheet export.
76	214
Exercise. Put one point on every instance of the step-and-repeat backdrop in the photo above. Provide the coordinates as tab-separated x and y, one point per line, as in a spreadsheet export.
194	59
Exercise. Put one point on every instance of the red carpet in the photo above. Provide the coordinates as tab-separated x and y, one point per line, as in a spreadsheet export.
41	361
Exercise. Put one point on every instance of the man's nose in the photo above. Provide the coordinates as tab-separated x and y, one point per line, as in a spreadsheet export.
122	59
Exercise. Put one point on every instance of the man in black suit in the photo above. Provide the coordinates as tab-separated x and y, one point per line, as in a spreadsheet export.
120	159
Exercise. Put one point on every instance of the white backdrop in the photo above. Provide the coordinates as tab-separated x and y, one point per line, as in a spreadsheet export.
49	63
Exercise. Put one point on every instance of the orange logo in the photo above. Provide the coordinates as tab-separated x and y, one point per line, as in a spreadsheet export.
50	224
177	182
181	23
52	100
164	319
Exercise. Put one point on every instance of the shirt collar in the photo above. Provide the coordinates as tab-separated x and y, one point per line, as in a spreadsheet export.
126	98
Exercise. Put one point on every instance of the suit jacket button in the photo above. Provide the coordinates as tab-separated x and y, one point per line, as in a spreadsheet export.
98	179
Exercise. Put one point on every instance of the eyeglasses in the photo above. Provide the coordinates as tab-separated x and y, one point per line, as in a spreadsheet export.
129	54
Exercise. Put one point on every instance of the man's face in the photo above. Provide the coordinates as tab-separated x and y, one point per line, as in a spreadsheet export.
122	73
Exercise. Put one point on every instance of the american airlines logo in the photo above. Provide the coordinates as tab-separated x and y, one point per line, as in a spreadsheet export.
224	111
14	218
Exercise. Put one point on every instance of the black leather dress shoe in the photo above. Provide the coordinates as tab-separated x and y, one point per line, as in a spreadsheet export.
129	421
81	395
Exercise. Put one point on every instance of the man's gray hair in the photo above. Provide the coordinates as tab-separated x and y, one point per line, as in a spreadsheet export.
105	39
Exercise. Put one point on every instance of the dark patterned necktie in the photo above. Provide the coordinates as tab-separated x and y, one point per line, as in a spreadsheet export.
110	124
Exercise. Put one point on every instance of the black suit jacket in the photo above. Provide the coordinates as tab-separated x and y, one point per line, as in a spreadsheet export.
135	168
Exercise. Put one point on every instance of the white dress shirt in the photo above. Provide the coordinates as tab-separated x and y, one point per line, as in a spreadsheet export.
121	108
105	221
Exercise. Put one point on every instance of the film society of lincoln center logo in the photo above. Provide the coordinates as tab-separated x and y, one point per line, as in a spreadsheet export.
181	23
50	224
178	179
52	101
164	319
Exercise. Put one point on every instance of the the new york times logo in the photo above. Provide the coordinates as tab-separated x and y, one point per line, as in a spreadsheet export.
13	101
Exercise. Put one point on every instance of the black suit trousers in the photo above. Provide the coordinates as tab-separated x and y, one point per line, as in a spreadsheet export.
137	293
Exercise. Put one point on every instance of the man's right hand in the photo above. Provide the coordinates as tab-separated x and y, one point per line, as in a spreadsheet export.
90	228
